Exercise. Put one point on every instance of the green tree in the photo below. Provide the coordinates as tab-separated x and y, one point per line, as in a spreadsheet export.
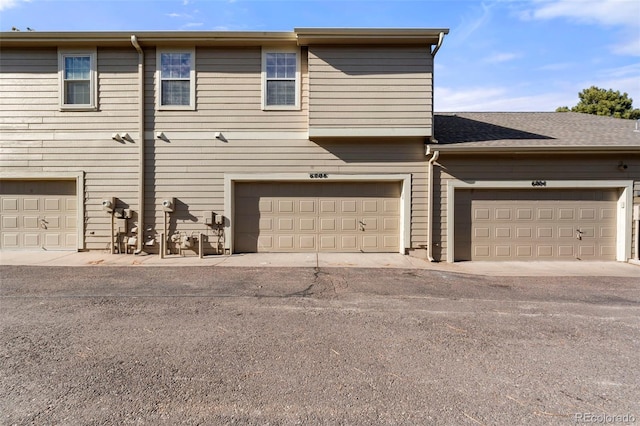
597	101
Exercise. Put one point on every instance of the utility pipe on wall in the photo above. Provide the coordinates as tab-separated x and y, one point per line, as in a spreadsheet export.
434	157
141	139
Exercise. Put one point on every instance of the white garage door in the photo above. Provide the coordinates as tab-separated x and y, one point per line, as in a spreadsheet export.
310	217
38	215
535	224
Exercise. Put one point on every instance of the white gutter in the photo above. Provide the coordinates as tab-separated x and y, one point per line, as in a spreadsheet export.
440	40
432	160
141	141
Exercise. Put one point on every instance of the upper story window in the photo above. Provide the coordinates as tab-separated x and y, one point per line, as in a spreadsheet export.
176	76
280	79
77	71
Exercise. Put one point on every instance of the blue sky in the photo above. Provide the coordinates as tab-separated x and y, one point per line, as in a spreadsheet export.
500	55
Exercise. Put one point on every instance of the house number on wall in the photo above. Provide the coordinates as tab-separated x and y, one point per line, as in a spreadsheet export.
539	183
318	175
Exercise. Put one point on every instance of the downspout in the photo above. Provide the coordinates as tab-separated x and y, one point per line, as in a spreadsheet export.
432	160
433	56
440	40
434	157
141	137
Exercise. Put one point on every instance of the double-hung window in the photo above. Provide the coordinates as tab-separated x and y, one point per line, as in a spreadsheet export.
176	79
280	79
77	70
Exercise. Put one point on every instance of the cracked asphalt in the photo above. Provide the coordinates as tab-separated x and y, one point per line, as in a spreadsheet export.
206	345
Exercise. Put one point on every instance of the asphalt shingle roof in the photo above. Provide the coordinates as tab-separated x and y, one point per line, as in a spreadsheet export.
534	129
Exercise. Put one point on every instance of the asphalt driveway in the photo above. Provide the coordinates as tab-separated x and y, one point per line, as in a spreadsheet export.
212	345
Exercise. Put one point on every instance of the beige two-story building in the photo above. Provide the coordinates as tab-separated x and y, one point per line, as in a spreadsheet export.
303	141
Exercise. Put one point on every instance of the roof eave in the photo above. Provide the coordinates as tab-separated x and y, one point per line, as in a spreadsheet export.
573	149
149	38
424	36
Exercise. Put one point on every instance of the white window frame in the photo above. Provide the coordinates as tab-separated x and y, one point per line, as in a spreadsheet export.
266	107
192	81
93	80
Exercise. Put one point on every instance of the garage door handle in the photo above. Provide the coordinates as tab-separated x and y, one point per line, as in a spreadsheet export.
43	223
578	234
362	224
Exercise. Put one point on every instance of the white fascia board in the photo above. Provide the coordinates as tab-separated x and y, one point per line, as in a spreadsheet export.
369	132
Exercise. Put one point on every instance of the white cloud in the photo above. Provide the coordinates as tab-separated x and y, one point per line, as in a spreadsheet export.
623	14
560	66
179	15
8	4
194	24
603	12
498	99
502	57
629	43
468	27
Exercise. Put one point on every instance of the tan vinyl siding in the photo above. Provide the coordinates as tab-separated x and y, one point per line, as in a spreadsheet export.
504	168
228	96
370	87
35	136
193	171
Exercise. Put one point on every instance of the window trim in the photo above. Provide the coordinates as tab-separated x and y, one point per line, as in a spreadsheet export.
93	79
298	82
192	81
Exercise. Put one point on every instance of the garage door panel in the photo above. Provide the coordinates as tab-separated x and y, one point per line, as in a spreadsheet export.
348	206
349	224
607	214
31	240
284	224
264	205
9	205
306	242
481	232
328	206
285	206
503	250
524	251
328	224
329	242
10	240
391	224
391	206
544	214
31	204
51	205
266	224
524	214
307	224
71	240
308	206
523	224
369	206
9	223
327	216
30	222
265	242
391	242
349	242
544	251
370	223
